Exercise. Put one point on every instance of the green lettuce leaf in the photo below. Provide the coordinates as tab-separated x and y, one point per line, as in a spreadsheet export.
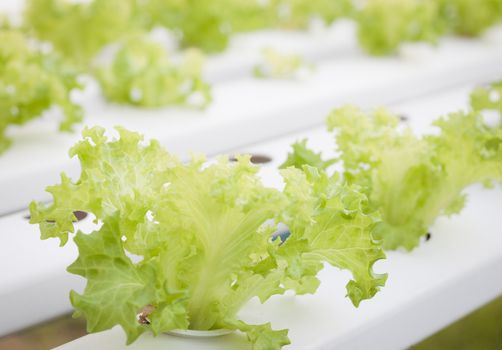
301	155
201	237
332	221
117	290
262	337
31	82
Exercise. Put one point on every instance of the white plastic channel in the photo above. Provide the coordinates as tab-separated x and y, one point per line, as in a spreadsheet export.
439	282
36	265
248	110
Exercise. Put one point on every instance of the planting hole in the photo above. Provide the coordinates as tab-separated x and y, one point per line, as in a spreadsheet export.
79	215
428	236
403	118
255	159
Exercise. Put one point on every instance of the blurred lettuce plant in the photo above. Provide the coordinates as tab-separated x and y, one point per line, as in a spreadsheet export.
385	24
32	80
197	23
471	17
79	30
141	73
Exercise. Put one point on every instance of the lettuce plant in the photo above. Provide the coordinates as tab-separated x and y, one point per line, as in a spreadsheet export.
301	155
142	73
185	246
384	24
33	80
411	180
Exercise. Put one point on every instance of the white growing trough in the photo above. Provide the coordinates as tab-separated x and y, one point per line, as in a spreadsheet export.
440	281
427	288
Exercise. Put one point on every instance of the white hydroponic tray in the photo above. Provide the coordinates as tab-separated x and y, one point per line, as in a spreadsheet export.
39	266
247	110
439	282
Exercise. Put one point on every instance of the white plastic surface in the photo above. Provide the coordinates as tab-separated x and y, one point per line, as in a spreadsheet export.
34	284
247	110
427	289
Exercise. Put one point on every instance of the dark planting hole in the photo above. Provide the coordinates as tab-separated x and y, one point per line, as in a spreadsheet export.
80	215
428	236
403	118
255	159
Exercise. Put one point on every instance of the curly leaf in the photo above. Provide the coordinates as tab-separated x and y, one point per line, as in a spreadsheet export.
301	155
261	337
116	289
340	233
